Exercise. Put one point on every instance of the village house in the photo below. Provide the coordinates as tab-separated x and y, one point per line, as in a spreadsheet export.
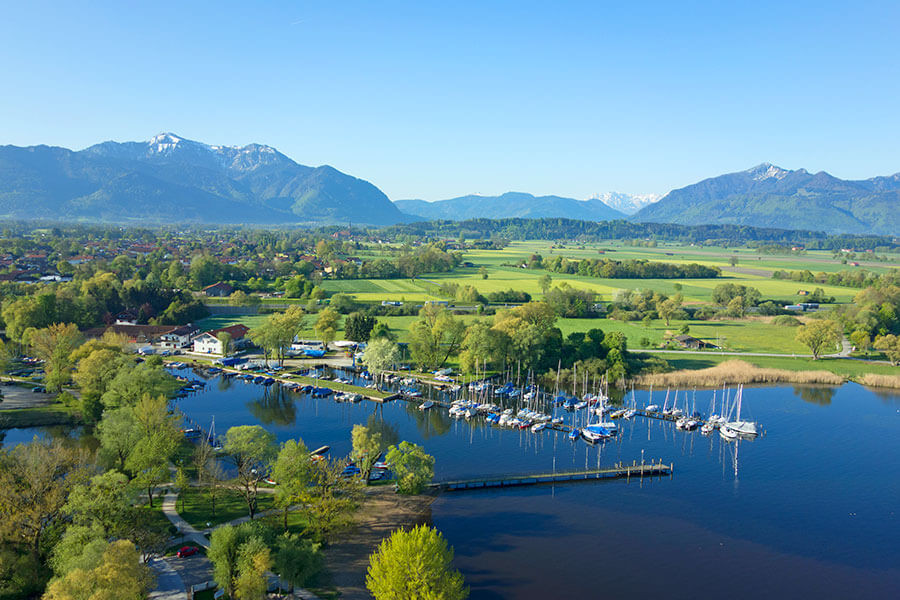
218	290
687	341
209	342
179	337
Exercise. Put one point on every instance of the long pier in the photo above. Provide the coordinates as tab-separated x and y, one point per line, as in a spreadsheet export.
619	471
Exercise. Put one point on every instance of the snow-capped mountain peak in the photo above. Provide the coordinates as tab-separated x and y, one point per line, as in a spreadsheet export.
164	142
626	203
767	171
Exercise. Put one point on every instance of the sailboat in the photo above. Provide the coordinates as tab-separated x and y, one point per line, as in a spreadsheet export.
747	428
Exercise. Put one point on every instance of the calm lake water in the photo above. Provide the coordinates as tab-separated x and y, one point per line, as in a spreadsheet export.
810	508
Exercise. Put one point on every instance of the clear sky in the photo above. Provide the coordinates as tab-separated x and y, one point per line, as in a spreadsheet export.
438	99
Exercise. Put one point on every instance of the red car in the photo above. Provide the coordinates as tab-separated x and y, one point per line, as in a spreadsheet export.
186	551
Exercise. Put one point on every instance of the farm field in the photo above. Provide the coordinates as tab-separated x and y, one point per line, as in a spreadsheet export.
752	269
756	334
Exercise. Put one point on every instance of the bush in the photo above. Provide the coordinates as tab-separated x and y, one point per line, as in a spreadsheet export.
786	321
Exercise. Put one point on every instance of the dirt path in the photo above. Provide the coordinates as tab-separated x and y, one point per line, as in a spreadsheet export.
383	512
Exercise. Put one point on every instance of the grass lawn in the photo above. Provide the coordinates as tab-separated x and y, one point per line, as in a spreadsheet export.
230	505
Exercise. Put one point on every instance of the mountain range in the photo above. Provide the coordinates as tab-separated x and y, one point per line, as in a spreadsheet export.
170	179
510	204
769	196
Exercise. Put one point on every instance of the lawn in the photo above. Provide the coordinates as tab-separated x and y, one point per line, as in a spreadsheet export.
230	505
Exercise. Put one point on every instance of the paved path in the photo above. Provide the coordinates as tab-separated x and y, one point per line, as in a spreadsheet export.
168	584
844	353
188	532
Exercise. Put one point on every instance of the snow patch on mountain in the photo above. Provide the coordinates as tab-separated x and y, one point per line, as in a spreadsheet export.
626	203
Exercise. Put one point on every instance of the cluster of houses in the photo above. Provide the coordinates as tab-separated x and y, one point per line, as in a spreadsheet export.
172	338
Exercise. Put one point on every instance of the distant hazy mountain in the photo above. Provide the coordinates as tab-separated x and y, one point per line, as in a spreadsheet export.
172	179
627	203
510	204
769	196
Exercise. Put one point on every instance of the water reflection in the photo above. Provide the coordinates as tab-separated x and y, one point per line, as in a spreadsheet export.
275	406
816	394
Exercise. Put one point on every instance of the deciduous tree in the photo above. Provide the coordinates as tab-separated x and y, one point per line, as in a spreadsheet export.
818	336
415	565
412	466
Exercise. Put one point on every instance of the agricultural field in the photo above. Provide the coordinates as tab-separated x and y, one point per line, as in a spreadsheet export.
754	334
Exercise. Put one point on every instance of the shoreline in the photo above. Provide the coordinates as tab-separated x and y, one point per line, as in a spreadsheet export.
735	372
382	512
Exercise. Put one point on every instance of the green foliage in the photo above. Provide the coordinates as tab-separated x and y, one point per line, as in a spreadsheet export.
358	327
294	472
380	354
819	336
414	565
298	560
119	574
890	345
133	382
786	321
326	325
367	446
54	344
254	561
412	466
435	337
250	448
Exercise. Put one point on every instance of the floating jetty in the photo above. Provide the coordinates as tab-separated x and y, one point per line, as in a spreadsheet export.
619	471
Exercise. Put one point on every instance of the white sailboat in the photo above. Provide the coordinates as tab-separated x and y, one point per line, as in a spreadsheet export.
738	426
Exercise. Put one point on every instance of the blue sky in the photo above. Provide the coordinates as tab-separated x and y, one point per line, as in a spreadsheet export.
433	100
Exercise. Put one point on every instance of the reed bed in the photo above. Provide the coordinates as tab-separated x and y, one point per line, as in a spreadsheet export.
882	381
737	371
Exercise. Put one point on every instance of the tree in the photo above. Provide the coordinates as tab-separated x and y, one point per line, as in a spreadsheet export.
415	565
358	327
545	281
137	381
819	336
736	307
237	554
250	448
890	345
227	342
435	336
119	574
327	325
861	340
298	560
367	446
96	371
80	547
224	548
382	330
412	466
104	504
483	272
669	308
294	472
35	482
380	354
54	344
333	499
733	260
118	433
254	560
182	484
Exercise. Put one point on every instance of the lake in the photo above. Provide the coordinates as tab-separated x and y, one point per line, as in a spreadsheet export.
807	509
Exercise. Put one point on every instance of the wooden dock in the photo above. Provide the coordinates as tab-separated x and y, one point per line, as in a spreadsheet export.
619	471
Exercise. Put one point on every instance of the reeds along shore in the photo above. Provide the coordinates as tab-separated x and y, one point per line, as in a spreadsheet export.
882	381
737	371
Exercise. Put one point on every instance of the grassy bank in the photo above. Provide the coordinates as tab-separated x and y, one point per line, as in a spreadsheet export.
39	416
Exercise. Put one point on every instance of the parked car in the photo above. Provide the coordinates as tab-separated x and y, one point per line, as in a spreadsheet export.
186	551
